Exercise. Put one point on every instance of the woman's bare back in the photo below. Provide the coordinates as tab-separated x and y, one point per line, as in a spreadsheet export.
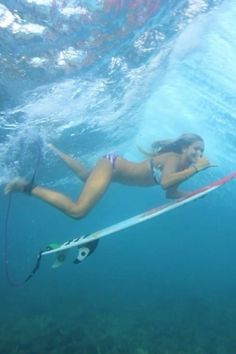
140	173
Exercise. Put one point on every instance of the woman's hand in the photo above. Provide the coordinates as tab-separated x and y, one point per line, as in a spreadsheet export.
203	163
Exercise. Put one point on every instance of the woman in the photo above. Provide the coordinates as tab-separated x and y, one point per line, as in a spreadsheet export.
172	162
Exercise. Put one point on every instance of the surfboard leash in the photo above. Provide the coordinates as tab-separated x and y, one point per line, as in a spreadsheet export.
6	224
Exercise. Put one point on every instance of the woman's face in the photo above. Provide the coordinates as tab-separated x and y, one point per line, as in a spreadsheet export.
193	152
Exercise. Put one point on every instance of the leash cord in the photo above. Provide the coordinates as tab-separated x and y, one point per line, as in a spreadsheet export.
5	234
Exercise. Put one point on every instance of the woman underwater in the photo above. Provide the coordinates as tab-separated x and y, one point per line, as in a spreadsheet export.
170	163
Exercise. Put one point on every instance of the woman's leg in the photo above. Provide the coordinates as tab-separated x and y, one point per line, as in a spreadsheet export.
94	188
77	167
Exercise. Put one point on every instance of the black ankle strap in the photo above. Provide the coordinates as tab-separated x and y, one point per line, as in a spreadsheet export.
29	187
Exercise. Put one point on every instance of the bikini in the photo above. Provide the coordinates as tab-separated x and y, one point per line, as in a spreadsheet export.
111	157
155	170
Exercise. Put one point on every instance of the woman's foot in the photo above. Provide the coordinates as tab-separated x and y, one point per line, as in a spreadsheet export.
54	149
16	185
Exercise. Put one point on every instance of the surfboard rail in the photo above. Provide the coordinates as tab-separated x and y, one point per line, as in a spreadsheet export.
140	218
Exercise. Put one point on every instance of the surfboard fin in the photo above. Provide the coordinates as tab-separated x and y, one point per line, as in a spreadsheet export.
59	257
85	251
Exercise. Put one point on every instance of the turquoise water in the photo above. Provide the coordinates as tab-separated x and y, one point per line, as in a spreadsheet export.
99	76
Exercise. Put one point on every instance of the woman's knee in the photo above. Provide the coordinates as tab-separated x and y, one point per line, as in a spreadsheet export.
77	212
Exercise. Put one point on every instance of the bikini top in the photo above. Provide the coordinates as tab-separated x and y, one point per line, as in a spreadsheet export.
155	172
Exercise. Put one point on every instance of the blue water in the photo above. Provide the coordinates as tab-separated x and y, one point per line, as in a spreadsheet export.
97	76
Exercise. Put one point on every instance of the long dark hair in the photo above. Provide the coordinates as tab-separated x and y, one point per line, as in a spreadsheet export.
174	145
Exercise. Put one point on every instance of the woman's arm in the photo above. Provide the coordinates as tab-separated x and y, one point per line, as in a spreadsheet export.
171	178
174	193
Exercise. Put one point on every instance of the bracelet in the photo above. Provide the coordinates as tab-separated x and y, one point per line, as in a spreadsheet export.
195	168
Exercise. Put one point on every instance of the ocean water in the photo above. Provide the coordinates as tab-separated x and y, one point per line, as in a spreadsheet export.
95	76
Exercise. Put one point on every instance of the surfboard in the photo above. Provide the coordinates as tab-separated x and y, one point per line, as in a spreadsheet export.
87	243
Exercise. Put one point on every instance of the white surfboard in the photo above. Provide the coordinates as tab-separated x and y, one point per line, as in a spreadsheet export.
87	243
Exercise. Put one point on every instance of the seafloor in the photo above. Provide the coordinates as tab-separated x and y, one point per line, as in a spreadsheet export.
115	326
